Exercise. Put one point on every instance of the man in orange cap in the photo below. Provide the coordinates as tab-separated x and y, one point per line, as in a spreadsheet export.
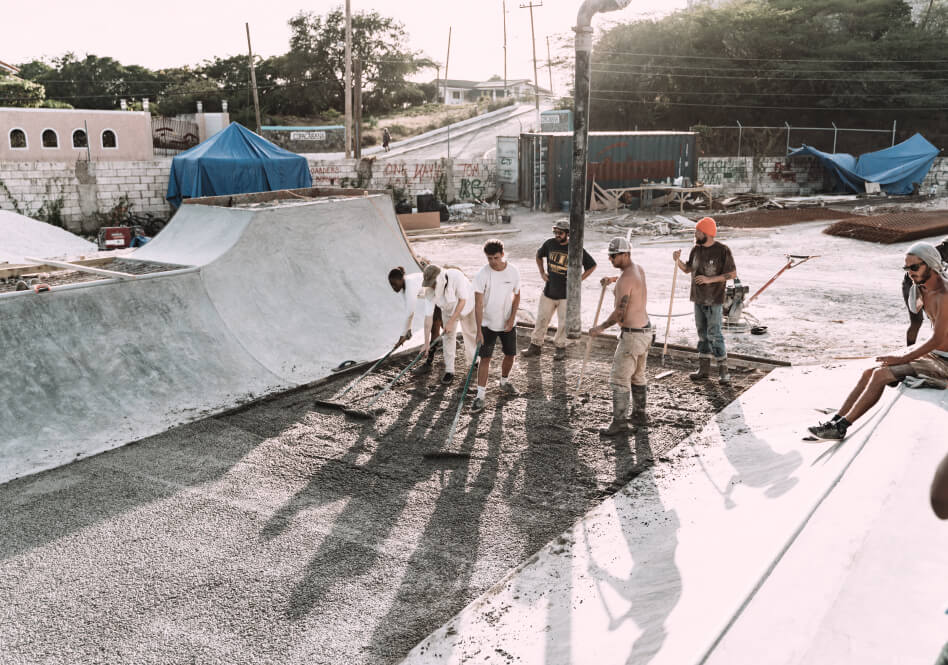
711	265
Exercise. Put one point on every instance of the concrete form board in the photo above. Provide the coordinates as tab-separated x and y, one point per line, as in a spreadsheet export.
658	572
281	295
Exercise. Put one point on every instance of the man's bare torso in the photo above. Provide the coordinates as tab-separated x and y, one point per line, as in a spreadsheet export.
631	286
935	302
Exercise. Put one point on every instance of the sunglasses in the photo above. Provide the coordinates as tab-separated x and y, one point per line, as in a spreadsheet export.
914	267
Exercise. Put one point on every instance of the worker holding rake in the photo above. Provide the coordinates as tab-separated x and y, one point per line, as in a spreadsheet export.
414	303
711	265
450	290
628	366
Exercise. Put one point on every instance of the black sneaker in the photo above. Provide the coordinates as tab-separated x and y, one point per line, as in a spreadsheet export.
831	431
447	378
478	405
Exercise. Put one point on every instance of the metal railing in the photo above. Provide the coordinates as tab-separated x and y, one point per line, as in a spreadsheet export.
788	127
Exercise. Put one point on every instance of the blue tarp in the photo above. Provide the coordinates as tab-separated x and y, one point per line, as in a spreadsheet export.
235	161
895	168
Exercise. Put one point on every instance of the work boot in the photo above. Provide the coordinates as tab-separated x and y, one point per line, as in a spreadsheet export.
704	369
559	353
620	406
478	405
724	377
638	415
533	350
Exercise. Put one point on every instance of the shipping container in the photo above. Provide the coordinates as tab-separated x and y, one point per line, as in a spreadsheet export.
614	159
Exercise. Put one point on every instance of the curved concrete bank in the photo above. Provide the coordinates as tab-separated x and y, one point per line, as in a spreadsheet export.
749	546
279	294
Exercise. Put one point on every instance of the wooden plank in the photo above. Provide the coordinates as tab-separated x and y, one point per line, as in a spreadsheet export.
8	270
88	269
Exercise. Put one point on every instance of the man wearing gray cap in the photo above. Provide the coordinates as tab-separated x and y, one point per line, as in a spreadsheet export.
635	338
450	290
928	363
553	299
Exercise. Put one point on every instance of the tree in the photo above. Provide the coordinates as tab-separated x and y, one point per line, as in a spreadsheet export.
15	91
91	82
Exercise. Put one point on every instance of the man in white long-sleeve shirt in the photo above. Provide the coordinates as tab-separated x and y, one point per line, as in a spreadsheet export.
450	290
416	308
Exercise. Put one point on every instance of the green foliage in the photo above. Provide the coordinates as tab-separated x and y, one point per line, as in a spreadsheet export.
19	92
51	212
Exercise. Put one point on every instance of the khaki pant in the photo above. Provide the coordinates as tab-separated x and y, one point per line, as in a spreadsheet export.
628	365
468	333
544	315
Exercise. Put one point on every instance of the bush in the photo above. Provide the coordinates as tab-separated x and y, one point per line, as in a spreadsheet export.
398	130
369	139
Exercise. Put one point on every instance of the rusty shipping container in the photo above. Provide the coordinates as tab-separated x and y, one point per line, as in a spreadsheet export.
615	159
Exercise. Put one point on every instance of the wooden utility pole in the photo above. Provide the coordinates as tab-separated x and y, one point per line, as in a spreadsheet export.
253	79
348	86
446	59
505	47
549	63
536	77
357	108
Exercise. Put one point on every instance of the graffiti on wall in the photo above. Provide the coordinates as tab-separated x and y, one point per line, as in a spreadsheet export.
721	171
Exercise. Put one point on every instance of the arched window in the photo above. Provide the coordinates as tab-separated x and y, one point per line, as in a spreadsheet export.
17	139
108	139
50	138
79	139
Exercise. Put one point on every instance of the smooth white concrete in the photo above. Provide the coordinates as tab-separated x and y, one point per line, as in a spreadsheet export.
658	573
281	294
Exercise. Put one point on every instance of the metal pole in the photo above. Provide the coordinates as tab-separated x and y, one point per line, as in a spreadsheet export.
893	132
788	136
536	78
835	133
446	59
253	79
577	202
740	131
505	48
348	85
549	63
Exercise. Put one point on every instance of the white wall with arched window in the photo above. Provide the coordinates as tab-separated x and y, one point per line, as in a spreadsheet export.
49	139
109	139
79	138
18	139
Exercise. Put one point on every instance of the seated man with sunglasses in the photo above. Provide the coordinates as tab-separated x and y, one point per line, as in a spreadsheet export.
928	292
916	317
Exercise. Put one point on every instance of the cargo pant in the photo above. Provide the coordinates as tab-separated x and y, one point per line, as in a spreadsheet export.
628	365
544	315
468	325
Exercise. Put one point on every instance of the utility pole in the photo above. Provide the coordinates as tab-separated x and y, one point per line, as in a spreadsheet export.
357	108
536	78
577	200
348	85
549	63
253	79
446	59
505	48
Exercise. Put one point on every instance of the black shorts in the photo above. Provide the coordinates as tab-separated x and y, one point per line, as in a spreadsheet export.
508	342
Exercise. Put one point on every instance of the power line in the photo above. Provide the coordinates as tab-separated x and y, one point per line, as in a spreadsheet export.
775	78
725	57
773	94
626	66
774	108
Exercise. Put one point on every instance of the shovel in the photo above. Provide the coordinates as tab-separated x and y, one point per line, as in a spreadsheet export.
365	412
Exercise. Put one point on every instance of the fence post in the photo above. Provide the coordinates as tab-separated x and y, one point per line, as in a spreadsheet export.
740	131
788	136
835	132
893	139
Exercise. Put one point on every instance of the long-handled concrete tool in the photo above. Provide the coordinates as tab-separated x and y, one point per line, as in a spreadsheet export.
589	340
793	260
671	301
334	403
467	382
366	411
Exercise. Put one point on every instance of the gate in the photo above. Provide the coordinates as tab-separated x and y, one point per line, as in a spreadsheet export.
171	136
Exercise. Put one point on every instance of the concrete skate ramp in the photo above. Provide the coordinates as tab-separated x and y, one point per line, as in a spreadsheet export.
279	294
746	545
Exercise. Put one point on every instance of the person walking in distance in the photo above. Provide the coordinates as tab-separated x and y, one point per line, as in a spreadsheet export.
386	139
415	304
553	299
450	290
635	338
930	360
496	300
711	265
916	315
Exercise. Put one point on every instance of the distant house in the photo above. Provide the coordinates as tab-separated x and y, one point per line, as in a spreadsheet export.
458	91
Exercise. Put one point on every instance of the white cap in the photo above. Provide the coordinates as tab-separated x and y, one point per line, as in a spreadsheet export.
619	246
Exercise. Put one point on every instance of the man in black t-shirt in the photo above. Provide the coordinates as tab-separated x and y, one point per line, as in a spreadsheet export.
553	299
711	265
916	318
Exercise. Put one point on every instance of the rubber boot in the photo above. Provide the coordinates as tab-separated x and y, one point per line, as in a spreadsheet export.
704	369
620	406
638	415
533	350
724	377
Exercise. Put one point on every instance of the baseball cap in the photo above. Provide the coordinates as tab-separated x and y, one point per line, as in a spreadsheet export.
430	275
619	246
561	225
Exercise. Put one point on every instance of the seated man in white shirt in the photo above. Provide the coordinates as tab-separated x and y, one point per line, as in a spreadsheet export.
450	290
496	299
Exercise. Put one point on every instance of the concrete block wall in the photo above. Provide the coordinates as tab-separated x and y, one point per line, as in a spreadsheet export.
86	189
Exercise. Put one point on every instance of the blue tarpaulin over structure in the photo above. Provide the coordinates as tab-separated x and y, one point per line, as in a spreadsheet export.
895	168
235	161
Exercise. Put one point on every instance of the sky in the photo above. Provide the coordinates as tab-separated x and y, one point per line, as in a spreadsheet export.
186	32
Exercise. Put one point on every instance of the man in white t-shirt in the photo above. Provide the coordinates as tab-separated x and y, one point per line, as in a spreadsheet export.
496	300
450	290
415	308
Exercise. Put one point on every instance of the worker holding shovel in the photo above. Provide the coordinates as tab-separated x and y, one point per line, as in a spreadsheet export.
711	265
635	338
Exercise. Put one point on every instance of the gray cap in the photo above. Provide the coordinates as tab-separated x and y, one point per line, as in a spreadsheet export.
619	246
561	225
430	275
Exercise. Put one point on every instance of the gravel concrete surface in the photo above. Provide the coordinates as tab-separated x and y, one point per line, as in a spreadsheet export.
290	533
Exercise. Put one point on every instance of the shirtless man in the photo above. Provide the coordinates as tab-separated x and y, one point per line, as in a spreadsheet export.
628	366
924	266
